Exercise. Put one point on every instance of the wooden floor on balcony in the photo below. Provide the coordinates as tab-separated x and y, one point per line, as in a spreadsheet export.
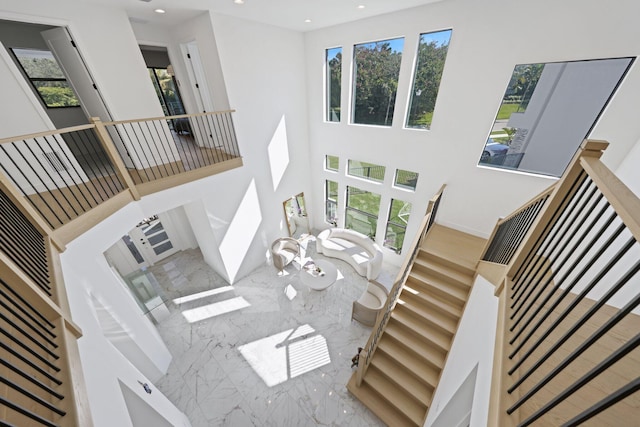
405	369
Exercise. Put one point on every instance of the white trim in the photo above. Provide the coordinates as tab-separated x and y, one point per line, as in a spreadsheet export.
24	85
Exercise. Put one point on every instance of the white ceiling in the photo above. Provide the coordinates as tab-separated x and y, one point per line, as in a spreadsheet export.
289	14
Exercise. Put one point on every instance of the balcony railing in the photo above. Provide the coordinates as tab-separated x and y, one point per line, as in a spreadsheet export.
66	173
569	331
53	186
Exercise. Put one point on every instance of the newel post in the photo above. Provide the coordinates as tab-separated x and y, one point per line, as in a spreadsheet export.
114	156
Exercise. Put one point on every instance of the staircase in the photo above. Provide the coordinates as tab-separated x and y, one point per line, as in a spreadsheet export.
406	366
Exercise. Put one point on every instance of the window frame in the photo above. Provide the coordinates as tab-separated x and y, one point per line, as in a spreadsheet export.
354	79
390	222
329	202
402	186
44	79
367	178
327	93
327	162
367	214
413	81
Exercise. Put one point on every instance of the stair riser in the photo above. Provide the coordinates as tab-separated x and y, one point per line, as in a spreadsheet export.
425	375
417	355
399	391
395	398
442	294
413	385
430	305
433	337
431	322
443	274
371	399
425	254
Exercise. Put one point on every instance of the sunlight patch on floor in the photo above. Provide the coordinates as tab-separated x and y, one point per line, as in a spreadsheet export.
215	309
286	354
200	295
290	292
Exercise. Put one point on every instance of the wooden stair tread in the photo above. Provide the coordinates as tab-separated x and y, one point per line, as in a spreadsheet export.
436	286
425	372
446	324
407	338
466	249
402	377
378	405
434	268
396	396
428	300
436	257
426	331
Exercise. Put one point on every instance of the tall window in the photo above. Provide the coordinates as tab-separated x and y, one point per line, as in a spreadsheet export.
46	76
376	71
397	225
432	52
331	202
334	76
362	211
368	171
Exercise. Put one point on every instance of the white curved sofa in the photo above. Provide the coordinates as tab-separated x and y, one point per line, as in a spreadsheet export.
364	255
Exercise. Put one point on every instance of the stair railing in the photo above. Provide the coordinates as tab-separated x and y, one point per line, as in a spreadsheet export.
511	231
568	337
383	317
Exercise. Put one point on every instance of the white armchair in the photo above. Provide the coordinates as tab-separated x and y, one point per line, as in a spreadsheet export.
365	310
284	250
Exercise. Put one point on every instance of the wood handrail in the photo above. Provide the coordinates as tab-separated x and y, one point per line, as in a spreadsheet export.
547	191
588	148
622	199
46	133
179	116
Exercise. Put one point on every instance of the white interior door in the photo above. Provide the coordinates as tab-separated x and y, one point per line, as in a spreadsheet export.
64	49
204	131
153	241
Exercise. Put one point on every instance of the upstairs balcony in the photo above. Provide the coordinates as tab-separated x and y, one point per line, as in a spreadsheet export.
98	168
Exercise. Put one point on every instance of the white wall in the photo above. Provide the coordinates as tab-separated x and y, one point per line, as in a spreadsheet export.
108	47
472	349
489	39
95	296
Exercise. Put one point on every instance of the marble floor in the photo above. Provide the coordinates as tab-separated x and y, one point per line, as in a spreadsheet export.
267	351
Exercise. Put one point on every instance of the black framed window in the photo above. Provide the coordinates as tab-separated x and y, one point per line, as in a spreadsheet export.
46	77
362	211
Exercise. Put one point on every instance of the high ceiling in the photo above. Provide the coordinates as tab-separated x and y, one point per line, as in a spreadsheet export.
290	14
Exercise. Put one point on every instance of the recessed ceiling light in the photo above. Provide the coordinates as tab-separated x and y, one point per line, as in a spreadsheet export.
361	6
238	1
160	11
307	20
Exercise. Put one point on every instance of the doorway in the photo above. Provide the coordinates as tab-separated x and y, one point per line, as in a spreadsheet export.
152	239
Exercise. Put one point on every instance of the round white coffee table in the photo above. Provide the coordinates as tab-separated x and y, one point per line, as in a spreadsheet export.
321	281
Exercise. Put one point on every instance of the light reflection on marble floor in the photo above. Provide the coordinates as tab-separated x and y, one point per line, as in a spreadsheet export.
300	342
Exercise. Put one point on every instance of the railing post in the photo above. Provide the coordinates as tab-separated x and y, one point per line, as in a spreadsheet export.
499	398
361	367
588	148
114	156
